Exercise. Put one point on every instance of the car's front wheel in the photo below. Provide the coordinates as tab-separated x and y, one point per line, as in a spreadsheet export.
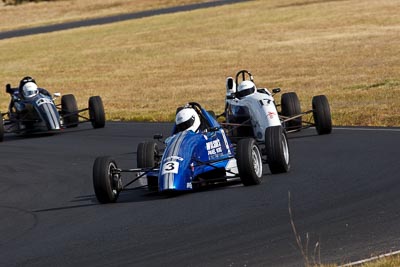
96	112
322	114
290	105
147	157
249	161
107	183
277	149
69	110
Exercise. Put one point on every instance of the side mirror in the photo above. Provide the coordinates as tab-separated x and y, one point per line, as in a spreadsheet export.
276	90
158	137
8	88
213	129
56	95
230	86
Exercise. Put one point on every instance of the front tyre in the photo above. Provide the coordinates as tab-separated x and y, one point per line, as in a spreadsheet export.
322	114
69	111
147	157
277	149
290	106
107	183
96	112
249	161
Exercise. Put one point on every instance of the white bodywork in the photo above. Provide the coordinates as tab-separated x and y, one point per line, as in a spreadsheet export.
262	111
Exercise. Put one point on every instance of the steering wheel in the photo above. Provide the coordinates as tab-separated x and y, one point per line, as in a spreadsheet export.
195	105
243	74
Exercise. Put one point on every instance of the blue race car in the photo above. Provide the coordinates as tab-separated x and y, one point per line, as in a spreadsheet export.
33	110
197	153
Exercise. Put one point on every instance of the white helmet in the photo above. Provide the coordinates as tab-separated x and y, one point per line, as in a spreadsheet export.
30	89
187	119
245	88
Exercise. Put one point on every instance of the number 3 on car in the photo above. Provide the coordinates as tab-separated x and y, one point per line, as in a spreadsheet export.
170	167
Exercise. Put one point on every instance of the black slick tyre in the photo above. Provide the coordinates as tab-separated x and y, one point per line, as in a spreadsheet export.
1	130
249	161
69	111
290	106
277	149
96	112
107	184
322	114
147	153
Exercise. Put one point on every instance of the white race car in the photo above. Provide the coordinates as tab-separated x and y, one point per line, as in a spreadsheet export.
253	112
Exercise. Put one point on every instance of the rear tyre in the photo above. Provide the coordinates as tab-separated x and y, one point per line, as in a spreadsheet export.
277	149
147	154
249	161
1	129
96	112
107	184
69	111
290	106
322	114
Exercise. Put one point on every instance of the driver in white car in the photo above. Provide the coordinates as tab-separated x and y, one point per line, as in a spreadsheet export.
259	103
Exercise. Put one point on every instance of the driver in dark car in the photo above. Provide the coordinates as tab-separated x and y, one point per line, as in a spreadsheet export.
26	90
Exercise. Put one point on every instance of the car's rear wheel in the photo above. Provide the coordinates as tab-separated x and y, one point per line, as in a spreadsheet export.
96	112
107	183
69	111
322	114
277	149
147	157
290	106
249	161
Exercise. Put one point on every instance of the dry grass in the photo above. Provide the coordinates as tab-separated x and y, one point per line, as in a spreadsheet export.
393	261
145	68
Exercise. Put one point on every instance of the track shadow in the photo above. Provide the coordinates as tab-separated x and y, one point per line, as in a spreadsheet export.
304	134
10	137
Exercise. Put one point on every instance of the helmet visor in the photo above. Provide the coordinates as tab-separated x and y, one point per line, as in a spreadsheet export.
185	125
30	93
246	92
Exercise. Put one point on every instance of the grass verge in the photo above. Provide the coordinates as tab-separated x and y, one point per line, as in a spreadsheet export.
145	68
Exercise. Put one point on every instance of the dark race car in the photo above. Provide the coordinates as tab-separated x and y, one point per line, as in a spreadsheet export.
198	153
35	111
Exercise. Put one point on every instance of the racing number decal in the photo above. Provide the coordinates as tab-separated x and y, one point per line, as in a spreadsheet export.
170	167
43	100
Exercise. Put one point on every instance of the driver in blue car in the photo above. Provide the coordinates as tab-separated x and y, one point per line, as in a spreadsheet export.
187	119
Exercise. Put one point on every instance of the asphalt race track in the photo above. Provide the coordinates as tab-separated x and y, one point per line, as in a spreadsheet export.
344	187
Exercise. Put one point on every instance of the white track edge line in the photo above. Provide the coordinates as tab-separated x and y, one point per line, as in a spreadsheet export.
368	129
371	259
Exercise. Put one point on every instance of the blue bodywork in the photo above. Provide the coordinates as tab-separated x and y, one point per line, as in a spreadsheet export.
190	158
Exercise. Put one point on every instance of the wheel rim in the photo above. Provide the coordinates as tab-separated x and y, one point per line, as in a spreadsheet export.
257	162
285	148
114	188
